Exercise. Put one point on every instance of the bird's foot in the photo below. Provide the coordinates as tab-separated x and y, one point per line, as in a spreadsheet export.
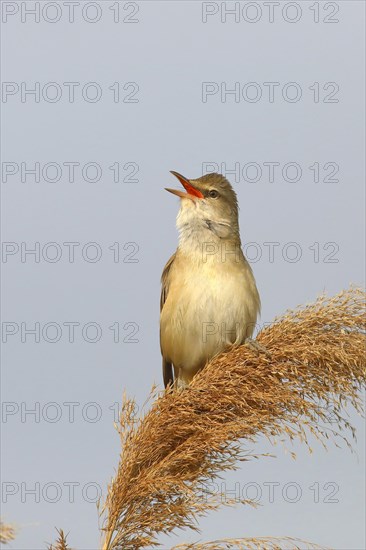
257	347
180	385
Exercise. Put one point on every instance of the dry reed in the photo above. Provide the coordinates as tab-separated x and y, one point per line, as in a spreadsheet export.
7	533
269	543
61	542
315	368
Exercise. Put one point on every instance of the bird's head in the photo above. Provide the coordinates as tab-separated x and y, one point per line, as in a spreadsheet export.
210	202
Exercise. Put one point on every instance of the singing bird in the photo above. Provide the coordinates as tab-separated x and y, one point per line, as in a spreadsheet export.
209	298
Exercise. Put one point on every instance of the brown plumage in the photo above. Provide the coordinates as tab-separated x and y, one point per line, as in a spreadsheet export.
209	299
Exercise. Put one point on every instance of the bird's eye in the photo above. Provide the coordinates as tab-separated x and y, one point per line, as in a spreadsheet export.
213	194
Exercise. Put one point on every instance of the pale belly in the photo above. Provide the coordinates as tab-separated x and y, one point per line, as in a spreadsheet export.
207	309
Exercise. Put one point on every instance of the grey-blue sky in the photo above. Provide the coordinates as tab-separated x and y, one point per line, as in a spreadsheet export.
170	52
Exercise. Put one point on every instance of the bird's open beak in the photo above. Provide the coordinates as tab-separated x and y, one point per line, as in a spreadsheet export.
192	192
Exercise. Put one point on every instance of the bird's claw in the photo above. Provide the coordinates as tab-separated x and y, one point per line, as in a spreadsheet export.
257	347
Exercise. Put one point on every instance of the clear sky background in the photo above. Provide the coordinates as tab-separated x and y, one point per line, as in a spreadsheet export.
162	121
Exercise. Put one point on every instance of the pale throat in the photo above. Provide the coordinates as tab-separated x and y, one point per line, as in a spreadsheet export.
205	238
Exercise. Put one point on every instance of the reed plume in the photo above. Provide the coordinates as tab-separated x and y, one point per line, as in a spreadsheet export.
7	532
313	369
269	543
61	542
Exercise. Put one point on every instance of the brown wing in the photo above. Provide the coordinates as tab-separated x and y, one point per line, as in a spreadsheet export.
167	367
